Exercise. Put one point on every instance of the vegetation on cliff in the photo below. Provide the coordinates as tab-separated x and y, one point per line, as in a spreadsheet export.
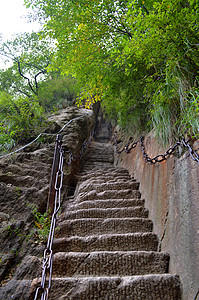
27	90
141	60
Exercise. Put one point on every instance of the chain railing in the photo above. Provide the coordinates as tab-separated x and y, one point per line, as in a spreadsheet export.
183	142
54	204
41	134
48	253
83	149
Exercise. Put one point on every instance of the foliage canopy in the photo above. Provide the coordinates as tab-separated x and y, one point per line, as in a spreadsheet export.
141	59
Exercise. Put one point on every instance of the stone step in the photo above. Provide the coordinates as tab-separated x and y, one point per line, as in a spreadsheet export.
100	163
91	168
107	179
114	194
94	168
100	158
109	263
108	171
86	227
97	156
131	212
87	187
93	177
143	287
96	147
108	242
111	171
110	203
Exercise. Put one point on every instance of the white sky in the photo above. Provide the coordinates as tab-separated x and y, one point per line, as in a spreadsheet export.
12	19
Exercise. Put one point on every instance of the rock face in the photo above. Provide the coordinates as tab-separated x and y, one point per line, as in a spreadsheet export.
171	193
24	185
105	247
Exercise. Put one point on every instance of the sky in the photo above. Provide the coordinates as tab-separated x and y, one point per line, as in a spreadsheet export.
12	19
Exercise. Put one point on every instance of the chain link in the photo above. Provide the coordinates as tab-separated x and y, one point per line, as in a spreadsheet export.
44	288
83	149
48	253
160	157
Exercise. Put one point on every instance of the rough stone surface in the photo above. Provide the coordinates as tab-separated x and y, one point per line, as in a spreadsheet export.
24	185
93	226
71	264
171	193
150	287
101	251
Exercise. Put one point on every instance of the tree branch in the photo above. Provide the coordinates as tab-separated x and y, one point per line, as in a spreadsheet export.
22	92
20	72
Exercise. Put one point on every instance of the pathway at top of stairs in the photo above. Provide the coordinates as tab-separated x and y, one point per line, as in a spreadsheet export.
105	248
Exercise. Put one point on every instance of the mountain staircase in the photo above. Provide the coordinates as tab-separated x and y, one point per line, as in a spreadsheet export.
105	248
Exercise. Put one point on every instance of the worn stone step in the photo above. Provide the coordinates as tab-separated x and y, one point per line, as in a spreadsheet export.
94	226
94	177
96	147
100	158
87	187
131	212
100	150
106	179
143	287
103	173
95	163
109	203
114	194
111	171
109	263
108	171
91	168
108	242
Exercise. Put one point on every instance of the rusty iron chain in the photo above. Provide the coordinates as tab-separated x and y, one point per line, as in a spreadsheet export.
44	288
83	149
158	158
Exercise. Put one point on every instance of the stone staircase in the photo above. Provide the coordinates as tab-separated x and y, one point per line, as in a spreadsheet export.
105	248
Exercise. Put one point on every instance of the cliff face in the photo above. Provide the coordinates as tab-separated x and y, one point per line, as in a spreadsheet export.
24	185
171	191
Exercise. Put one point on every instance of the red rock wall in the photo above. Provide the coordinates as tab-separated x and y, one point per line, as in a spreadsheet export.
171	192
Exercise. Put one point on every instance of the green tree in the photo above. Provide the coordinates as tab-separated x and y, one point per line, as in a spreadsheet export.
30	55
20	120
57	89
140	59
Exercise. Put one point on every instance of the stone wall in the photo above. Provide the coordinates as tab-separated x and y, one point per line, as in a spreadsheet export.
171	192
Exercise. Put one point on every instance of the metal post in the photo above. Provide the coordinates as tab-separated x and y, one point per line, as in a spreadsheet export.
51	193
